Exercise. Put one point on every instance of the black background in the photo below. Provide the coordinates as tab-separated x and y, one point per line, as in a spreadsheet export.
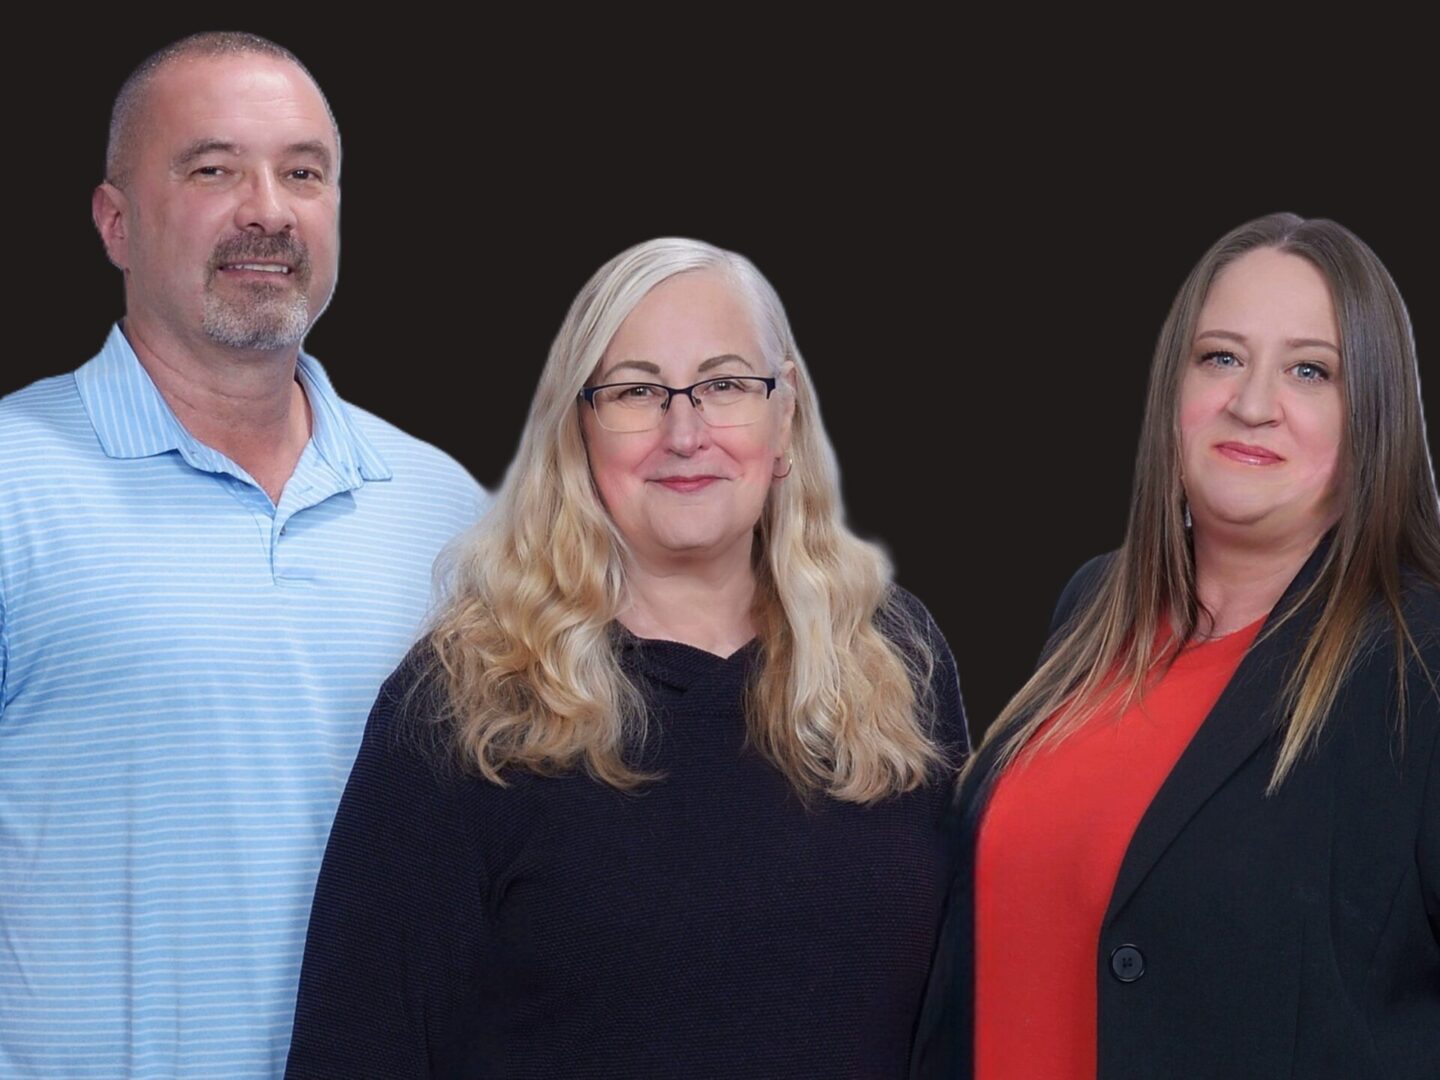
976	241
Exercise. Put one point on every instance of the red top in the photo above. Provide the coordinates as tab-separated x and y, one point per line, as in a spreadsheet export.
1050	846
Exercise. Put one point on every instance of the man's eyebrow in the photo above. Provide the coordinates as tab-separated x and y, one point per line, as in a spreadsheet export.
313	147
201	147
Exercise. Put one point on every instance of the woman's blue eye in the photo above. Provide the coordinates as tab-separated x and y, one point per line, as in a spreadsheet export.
1220	359
1311	372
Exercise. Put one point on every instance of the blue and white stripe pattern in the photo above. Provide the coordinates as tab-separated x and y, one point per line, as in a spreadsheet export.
185	670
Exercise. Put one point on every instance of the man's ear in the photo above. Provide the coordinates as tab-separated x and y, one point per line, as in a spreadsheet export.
109	209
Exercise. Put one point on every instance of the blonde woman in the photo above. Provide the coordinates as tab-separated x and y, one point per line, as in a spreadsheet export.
1204	839
661	794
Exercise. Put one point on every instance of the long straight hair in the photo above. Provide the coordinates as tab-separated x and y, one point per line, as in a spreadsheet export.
1389	520
525	640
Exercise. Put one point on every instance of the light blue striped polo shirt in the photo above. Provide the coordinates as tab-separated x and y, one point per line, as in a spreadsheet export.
185	670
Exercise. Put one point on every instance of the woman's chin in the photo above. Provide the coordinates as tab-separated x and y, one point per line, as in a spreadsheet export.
1261	523
696	545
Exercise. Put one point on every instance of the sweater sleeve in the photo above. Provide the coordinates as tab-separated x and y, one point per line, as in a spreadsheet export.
397	921
951	725
948	725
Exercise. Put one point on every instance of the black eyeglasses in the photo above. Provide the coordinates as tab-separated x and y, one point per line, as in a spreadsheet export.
726	401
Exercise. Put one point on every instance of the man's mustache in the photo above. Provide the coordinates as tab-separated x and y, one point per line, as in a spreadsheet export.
283	248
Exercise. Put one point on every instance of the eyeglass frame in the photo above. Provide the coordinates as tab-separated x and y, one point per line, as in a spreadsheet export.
588	396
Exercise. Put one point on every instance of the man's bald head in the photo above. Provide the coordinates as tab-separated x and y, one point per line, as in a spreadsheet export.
128	116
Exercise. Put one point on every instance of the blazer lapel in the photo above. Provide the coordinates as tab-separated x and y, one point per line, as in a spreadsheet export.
1244	718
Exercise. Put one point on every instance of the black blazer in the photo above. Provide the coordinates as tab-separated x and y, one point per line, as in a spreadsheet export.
1295	935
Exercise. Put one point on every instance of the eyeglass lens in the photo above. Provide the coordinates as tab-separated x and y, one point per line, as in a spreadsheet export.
730	402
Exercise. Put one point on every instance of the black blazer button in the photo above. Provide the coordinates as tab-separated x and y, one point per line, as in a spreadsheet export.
1127	963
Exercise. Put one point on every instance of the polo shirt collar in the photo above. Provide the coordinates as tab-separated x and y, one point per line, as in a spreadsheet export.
334	434
132	419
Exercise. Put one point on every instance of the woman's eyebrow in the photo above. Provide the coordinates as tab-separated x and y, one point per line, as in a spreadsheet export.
1294	343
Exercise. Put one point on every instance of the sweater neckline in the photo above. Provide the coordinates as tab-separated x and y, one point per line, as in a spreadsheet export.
678	664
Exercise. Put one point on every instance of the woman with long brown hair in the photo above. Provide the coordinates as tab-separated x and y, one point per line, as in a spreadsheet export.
662	792
1203	840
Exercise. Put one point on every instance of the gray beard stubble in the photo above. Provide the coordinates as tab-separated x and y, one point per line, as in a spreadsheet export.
263	319
264	316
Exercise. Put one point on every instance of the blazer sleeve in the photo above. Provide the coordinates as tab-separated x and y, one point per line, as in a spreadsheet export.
396	923
1078	591
1428	848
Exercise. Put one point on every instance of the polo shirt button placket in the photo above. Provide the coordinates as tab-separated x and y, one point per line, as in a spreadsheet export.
278	534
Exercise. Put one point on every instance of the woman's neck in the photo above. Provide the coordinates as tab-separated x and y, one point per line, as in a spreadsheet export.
1238	585
706	604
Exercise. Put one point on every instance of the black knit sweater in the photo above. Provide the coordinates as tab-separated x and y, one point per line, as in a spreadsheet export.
714	924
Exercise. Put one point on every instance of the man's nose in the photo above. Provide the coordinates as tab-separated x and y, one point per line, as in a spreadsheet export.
266	207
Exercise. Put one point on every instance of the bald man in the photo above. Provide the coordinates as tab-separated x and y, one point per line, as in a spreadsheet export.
208	564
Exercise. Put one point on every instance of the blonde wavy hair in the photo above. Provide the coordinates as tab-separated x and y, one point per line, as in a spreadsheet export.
525	641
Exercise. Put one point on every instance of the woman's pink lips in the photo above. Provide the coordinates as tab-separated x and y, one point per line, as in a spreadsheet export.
686	484
1247	454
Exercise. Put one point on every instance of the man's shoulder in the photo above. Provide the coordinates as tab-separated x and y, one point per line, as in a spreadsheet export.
405	453
387	438
36	405
40	420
